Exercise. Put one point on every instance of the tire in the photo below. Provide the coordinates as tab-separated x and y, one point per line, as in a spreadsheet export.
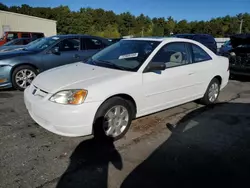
23	71
100	127
206	100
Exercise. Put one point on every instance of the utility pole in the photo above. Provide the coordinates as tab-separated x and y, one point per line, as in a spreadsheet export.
241	23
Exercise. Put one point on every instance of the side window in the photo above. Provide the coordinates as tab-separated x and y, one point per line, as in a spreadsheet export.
11	36
199	54
173	54
92	44
25	35
67	45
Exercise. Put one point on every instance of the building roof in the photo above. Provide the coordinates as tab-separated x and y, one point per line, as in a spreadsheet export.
24	15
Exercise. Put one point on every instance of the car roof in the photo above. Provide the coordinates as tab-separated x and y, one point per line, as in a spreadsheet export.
73	35
161	39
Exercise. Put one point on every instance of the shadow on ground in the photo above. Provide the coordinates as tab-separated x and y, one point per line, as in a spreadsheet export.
210	147
89	165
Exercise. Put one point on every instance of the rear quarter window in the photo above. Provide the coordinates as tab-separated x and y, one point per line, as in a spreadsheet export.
198	54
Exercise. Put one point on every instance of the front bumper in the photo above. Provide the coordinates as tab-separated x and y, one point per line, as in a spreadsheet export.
65	120
239	70
5	76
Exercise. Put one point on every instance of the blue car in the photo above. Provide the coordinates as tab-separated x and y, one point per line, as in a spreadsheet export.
19	68
225	49
205	39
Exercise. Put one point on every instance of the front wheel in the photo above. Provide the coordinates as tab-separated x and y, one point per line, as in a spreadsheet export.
212	92
22	77
113	118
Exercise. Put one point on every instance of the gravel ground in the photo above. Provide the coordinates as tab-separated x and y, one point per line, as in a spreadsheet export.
33	157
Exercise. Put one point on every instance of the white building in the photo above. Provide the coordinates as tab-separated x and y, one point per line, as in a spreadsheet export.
10	21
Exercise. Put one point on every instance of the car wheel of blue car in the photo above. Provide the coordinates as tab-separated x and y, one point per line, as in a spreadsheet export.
22	77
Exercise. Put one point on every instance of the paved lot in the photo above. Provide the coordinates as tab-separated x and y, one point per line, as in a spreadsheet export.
199	146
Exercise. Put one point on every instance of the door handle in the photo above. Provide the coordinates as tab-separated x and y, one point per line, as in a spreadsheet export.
76	56
191	73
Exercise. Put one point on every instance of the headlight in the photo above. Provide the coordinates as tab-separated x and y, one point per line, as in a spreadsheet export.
75	96
232	54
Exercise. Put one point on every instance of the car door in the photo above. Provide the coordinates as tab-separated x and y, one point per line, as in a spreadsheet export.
173	86
201	69
64	52
90	46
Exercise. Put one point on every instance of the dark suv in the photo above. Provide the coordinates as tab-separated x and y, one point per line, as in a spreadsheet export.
19	68
205	39
239	55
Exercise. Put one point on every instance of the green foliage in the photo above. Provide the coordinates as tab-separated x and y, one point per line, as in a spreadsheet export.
108	24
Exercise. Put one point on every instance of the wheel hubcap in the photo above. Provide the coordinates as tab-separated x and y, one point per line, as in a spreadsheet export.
213	92
24	78
115	121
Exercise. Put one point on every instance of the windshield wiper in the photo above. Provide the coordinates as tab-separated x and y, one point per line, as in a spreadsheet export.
112	64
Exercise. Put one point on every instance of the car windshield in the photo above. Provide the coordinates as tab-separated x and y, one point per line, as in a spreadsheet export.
34	42
126	55
42	44
11	42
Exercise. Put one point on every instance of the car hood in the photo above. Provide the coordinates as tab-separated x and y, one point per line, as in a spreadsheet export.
240	39
75	76
15	53
12	47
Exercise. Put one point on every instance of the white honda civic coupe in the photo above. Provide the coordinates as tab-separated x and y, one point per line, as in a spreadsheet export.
129	79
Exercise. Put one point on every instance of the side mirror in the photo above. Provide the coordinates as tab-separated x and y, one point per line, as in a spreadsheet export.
155	66
55	51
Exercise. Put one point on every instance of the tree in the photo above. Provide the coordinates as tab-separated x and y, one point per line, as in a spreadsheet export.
108	24
3	7
182	27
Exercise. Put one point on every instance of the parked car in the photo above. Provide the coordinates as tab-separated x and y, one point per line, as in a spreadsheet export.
204	39
225	48
11	35
15	44
239	55
19	68
127	80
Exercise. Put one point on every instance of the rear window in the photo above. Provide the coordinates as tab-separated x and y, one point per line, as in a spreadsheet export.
37	35
25	35
206	39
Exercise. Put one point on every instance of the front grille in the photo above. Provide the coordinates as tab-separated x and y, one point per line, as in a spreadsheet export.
38	92
242	60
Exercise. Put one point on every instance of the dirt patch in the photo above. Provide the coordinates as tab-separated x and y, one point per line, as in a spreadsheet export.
145	124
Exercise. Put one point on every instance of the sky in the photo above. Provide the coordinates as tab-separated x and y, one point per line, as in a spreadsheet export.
179	9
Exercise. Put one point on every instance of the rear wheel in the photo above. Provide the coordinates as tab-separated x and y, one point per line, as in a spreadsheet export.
212	92
113	118
22	77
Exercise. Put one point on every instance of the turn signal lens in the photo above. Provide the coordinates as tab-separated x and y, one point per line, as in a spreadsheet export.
2	80
78	97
